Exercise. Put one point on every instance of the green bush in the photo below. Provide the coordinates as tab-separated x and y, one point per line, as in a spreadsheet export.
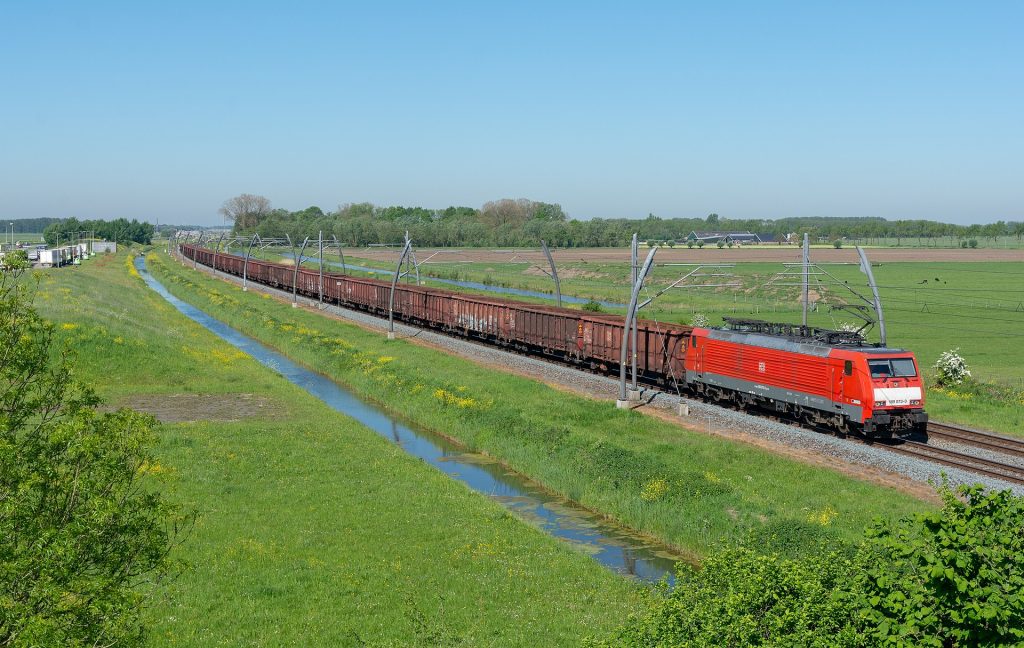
742	598
953	577
950	578
592	306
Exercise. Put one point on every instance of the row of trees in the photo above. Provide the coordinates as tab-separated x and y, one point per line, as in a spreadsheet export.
523	222
120	229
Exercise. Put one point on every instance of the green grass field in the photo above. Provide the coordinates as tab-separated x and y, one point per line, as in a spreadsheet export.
312	529
929	307
689	489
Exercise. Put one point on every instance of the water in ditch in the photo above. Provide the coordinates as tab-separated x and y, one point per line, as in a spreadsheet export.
609	544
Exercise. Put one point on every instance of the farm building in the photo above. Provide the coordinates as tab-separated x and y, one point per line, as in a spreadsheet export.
104	247
740	238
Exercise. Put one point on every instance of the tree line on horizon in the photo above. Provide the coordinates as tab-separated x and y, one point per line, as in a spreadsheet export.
524	222
520	223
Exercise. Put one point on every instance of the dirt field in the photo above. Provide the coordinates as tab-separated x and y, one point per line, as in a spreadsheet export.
179	408
767	253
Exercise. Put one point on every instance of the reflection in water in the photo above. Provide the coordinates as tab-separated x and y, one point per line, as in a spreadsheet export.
609	544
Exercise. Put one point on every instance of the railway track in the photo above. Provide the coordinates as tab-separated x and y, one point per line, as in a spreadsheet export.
989	468
976	438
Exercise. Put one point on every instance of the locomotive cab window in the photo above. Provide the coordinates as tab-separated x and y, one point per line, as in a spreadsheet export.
896	368
903	367
848	367
879	368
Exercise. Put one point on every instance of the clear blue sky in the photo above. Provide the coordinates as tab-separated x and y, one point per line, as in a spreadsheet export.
751	110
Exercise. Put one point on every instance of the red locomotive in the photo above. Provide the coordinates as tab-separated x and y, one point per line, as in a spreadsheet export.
822	377
830	378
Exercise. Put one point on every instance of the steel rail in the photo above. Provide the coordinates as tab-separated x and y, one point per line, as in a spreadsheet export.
953	459
976	438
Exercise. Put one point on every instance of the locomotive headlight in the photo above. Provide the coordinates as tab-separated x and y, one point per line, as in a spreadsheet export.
915	402
879	403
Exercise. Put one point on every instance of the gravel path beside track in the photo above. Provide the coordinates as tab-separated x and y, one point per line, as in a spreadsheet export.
870	462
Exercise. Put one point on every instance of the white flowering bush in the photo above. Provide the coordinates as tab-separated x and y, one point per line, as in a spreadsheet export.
952	368
848	327
700	320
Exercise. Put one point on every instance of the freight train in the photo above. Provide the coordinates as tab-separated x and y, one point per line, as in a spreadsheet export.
825	378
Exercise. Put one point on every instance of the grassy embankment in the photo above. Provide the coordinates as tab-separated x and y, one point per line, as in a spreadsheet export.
312	529
687	488
930	308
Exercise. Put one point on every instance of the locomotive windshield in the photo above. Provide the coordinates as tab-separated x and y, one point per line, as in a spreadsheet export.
895	368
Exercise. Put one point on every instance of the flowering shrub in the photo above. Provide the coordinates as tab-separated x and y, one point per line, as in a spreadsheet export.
952	368
699	320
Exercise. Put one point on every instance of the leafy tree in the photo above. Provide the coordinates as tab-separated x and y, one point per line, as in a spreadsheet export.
82	534
246	210
120	229
954	577
548	212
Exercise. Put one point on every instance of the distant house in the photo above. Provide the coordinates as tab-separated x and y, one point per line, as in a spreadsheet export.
740	238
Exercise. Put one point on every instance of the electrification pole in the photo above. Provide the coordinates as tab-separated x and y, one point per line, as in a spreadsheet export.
806	271
554	273
622	402
295	273
865	267
634	392
394	283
